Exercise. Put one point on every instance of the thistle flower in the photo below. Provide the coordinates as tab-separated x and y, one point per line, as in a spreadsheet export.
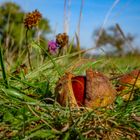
32	19
52	47
62	39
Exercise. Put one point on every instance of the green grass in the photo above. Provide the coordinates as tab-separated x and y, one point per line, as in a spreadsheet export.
26	111
119	64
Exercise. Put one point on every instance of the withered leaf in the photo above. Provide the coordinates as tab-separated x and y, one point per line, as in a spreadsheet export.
126	83
65	92
130	78
99	90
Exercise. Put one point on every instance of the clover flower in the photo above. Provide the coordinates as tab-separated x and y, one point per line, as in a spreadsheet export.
52	47
32	19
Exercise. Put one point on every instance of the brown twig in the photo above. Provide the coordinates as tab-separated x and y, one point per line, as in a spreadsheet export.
124	37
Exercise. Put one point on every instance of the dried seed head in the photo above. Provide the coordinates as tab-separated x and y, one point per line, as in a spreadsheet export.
62	39
32	19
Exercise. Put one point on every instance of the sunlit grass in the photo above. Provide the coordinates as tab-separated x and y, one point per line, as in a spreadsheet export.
27	112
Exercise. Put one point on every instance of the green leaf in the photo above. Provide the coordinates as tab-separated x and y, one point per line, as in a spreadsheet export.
8	117
119	100
18	95
47	134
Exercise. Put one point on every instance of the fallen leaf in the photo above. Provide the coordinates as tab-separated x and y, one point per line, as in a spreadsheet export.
130	78
99	90
126	83
64	91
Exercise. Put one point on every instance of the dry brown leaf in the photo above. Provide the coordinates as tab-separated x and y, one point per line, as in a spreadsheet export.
126	83
65	92
130	78
99	91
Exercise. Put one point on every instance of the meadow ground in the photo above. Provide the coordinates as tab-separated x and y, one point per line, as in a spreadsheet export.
29	110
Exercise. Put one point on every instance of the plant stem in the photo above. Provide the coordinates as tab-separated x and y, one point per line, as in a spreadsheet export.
3	68
28	50
24	119
55	65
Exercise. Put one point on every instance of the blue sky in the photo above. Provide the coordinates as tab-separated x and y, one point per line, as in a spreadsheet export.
126	13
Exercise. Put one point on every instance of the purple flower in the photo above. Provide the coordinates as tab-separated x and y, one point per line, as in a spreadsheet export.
52	47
